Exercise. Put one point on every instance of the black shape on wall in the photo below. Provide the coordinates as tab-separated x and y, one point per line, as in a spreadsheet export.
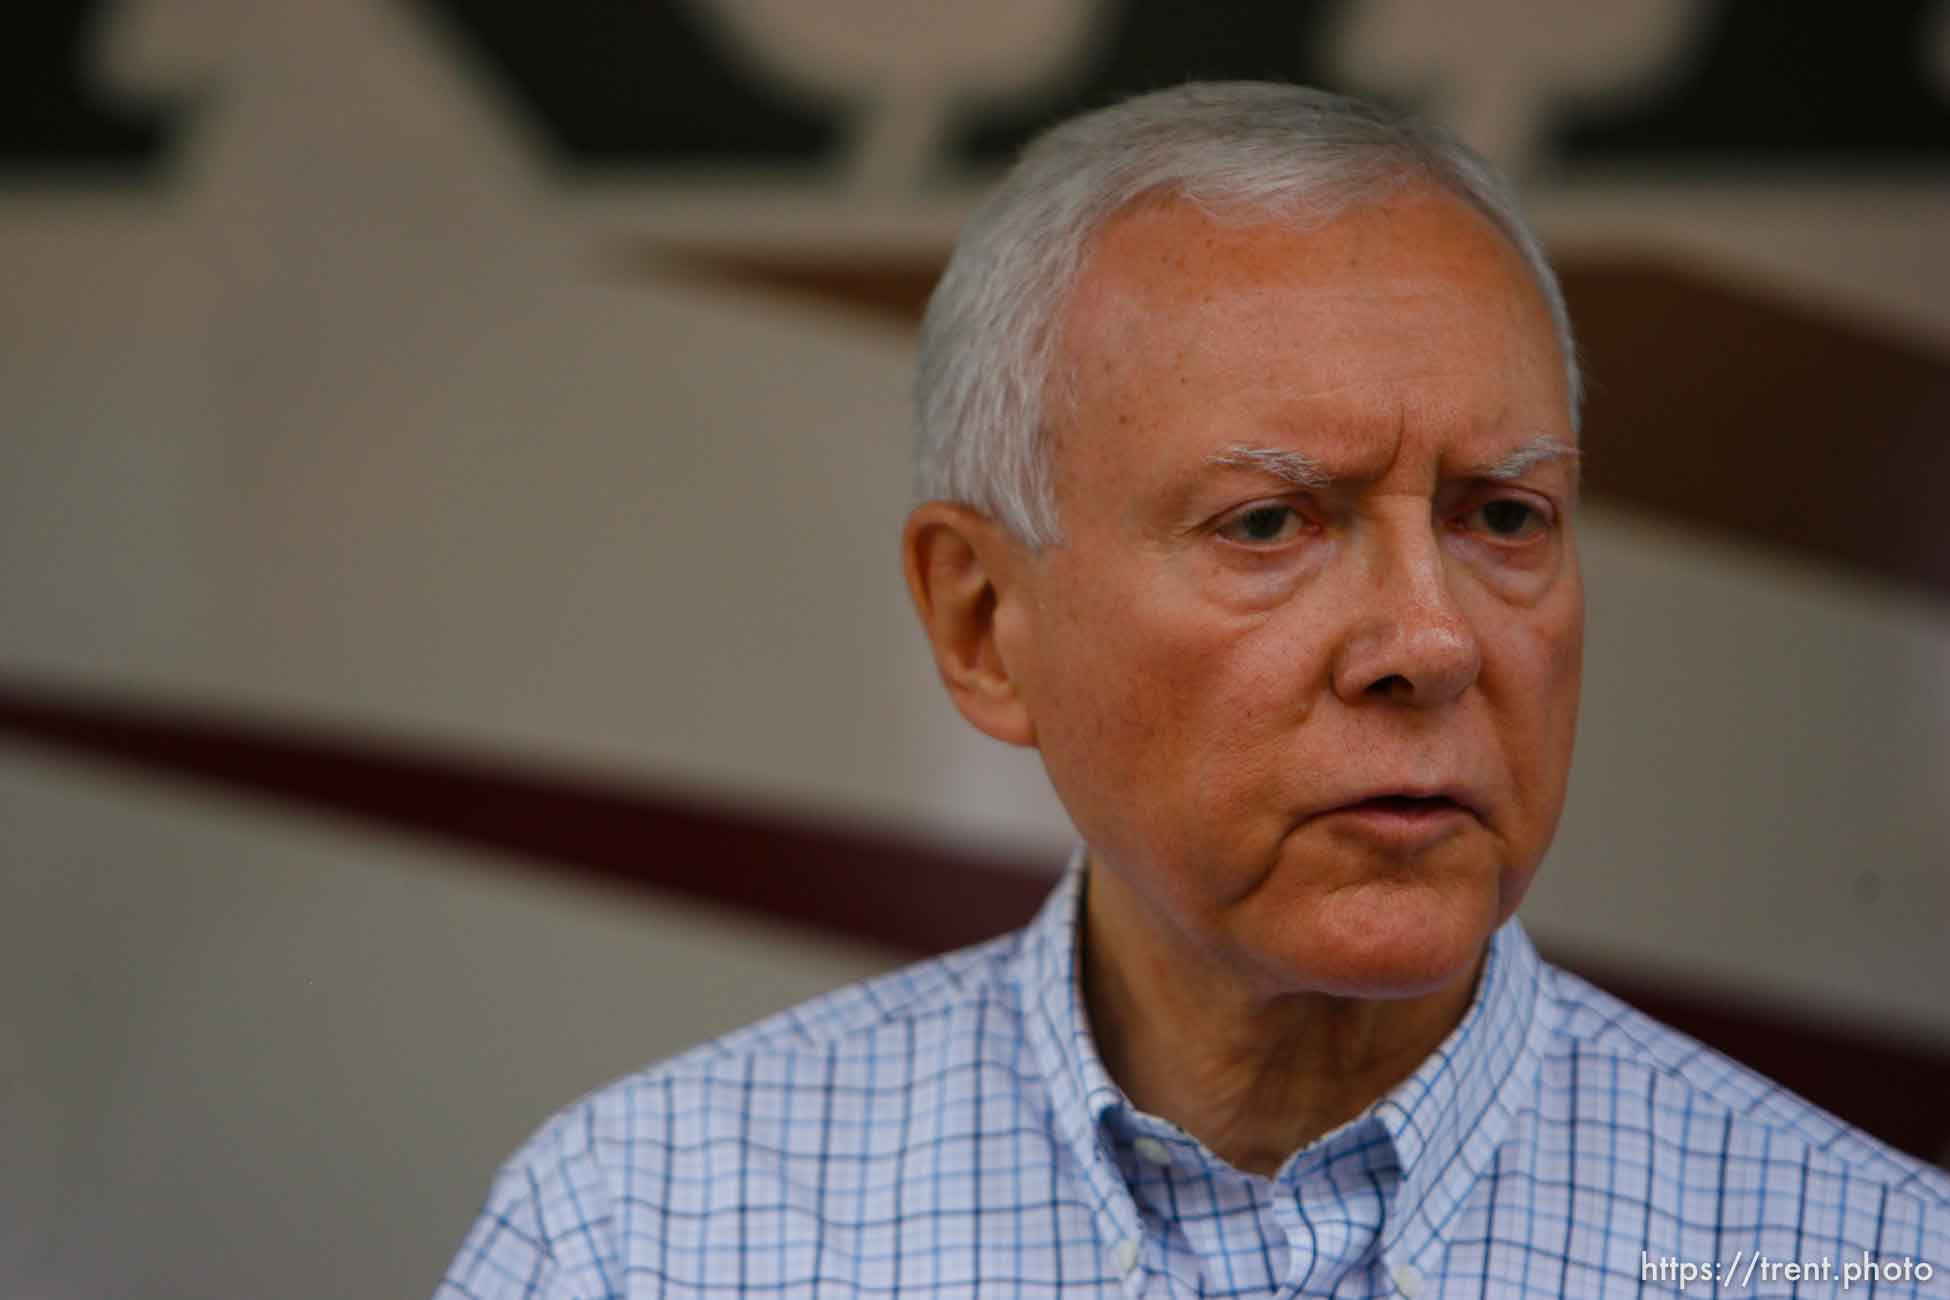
52	118
1157	43
1778	81
634	82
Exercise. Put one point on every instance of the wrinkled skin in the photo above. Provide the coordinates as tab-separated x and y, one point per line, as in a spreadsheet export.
1216	659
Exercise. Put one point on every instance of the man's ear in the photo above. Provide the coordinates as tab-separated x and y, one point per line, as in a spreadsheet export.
961	568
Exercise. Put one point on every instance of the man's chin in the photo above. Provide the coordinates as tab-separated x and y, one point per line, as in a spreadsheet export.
1388	946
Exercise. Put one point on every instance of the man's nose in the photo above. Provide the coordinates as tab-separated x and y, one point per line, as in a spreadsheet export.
1408	640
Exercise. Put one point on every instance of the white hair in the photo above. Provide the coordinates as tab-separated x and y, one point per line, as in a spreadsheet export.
1301	155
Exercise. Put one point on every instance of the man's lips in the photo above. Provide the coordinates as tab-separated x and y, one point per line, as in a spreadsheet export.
1402	820
1406	805
1409	802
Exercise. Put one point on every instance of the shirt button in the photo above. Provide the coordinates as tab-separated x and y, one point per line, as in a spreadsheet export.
1408	1280
1151	1151
1127	1255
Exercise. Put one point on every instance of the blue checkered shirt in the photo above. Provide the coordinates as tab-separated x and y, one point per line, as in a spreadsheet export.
950	1130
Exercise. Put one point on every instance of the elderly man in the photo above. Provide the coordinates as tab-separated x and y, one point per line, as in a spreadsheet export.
1248	432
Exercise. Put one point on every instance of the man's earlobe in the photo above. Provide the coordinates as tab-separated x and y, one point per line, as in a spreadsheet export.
960	567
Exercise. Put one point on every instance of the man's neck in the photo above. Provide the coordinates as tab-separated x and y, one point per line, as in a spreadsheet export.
1253	1075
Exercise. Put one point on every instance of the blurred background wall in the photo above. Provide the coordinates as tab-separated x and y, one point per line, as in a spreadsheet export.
451	643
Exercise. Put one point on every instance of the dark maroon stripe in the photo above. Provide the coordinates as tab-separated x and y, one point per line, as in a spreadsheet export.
846	880
1723	407
849	880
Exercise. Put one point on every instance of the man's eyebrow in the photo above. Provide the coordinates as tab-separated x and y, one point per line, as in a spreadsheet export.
1295	467
1303	471
1529	456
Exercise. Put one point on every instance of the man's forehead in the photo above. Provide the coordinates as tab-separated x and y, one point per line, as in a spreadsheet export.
1164	272
1167	233
1194	344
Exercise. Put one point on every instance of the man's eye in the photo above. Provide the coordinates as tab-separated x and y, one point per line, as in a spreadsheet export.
1509	519
1262	525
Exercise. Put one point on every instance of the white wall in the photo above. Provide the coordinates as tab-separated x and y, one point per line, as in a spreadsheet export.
246	1054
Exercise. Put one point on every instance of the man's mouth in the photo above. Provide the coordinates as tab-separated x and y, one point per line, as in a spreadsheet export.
1407	805
1401	823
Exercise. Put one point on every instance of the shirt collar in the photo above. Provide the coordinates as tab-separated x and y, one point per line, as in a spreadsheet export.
1444	1121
